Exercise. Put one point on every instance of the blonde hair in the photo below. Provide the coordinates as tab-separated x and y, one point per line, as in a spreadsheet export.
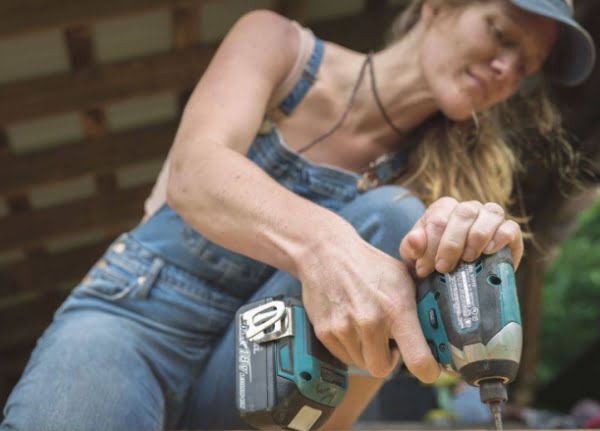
478	159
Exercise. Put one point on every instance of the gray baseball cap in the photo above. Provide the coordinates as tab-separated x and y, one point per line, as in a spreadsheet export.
572	59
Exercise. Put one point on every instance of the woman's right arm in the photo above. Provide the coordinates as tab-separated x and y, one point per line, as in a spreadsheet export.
212	185
356	296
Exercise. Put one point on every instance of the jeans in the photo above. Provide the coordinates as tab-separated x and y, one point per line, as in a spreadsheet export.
143	344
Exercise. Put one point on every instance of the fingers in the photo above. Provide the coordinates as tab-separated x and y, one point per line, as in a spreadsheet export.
363	343
455	235
489	219
334	346
341	339
434	222
414	244
451	231
507	234
379	359
413	347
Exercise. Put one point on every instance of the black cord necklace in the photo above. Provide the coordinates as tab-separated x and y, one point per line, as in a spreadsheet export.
378	99
367	62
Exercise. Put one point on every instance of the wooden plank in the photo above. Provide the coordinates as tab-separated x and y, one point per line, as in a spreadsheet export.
80	46
24	16
362	32
78	39
18	205
186	32
292	9
96	86
18	336
4	147
102	211
375	5
20	173
177	71
43	272
13	363
39	311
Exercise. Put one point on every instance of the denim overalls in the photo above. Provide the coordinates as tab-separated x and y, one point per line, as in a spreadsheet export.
145	341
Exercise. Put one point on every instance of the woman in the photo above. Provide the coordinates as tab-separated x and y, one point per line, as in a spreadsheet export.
145	342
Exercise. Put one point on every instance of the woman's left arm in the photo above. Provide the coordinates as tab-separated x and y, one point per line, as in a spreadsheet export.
450	231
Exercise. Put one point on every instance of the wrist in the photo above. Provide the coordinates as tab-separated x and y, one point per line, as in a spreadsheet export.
333	239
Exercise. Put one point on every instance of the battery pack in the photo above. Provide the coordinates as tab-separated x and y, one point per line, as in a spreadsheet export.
286	379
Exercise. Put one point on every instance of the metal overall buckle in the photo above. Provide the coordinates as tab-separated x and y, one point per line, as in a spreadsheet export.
374	175
268	322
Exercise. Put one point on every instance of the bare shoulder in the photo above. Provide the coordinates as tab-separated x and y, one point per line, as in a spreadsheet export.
266	31
264	20
229	101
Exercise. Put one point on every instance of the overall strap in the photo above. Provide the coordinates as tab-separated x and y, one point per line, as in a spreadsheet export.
308	77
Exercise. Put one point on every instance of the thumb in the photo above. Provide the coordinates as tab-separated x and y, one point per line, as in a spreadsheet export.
414	245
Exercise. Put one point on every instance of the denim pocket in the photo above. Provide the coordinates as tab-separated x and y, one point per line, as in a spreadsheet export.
107	281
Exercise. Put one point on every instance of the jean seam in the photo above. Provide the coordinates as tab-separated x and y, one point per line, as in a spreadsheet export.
202	298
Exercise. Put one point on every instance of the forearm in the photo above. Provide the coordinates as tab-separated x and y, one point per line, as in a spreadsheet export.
234	203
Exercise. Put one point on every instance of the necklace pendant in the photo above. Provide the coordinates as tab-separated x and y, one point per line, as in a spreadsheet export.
382	170
367	181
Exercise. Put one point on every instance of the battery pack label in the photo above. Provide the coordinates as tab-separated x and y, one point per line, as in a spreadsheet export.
305	419
244	363
462	285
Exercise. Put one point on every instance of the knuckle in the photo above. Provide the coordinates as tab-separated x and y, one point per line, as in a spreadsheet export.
379	371
495	209
513	225
509	231
451	246
418	363
400	303
446	201
478	235
503	236
324	333
424	368
507	239
342	329
438	221
368	323
467	210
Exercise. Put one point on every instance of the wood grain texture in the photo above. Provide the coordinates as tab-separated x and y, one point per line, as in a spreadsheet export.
25	16
19	173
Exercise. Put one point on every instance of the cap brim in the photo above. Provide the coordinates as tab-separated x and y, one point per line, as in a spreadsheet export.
572	59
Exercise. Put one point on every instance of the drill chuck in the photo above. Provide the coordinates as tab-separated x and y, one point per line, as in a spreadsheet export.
492	391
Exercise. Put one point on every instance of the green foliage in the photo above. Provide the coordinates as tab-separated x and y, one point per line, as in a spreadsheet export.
571	298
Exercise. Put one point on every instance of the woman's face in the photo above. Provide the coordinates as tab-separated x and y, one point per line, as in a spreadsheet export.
477	56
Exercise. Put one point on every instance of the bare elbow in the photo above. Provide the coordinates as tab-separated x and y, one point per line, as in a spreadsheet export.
176	187
172	198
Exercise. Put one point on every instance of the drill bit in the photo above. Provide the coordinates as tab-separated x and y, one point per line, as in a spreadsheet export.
493	393
497	413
